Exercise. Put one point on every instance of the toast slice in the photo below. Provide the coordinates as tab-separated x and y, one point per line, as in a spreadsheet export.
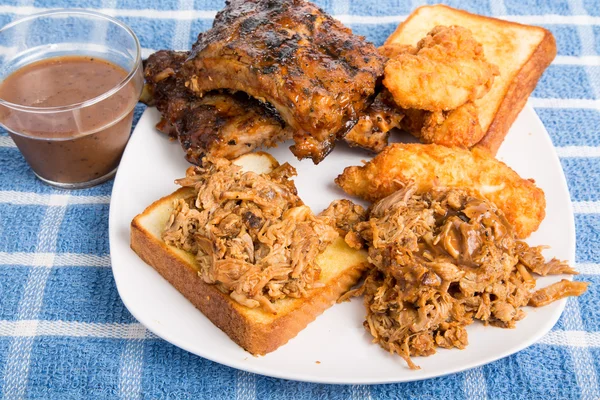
521	52
257	331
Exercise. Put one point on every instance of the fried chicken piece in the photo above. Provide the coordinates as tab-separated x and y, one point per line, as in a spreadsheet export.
372	130
447	70
431	165
459	127
413	121
394	50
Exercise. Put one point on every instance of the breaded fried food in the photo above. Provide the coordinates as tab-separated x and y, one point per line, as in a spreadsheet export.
431	165
393	50
459	127
521	52
447	70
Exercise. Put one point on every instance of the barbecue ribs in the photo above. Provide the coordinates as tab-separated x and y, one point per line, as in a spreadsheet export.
221	124
317	74
372	130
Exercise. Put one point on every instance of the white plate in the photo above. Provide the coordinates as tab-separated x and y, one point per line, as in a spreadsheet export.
335	348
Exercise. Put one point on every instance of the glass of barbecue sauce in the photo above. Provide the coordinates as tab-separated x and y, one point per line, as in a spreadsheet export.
70	80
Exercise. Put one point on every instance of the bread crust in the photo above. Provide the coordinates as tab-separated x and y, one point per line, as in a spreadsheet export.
257	336
518	92
484	19
521	86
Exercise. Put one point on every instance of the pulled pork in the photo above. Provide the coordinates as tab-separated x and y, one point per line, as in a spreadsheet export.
251	233
442	259
344	215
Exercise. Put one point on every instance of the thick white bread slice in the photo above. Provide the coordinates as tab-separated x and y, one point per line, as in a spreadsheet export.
521	52
255	330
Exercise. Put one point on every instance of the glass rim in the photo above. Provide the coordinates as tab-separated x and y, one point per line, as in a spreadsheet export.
77	12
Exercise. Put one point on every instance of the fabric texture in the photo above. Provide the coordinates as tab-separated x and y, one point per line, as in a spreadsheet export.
65	334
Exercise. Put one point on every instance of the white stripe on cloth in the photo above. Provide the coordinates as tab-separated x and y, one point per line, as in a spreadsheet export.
60	260
6	141
588	46
181	38
475	387
340	7
29	328
586	207
16	370
583	362
100	31
577	60
122	12
498	7
360	392
245	385
132	362
132	357
538	102
578	151
548	19
414	4
29	198
584	367
146	53
588	269
571	339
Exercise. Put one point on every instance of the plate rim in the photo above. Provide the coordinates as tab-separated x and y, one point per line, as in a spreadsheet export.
269	371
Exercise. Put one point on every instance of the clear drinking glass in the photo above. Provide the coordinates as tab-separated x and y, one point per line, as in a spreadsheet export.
76	145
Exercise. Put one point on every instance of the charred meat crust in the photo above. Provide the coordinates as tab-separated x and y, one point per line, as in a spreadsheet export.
228	125
165	89
372	130
312	69
221	124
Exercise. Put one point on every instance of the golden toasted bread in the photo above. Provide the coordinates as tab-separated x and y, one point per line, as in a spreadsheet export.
254	329
521	52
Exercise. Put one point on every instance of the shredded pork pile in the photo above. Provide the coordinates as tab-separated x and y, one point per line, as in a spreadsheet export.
441	260
251	233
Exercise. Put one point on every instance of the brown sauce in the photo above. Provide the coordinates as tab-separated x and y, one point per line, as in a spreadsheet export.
69	146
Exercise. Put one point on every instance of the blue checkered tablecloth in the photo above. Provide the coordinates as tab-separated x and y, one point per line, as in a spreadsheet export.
64	332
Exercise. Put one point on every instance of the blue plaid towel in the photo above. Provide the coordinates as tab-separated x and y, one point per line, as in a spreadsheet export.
64	332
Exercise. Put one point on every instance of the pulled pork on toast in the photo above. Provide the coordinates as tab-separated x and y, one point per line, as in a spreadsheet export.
251	233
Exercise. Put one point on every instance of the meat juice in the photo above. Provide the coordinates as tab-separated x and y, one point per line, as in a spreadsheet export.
80	144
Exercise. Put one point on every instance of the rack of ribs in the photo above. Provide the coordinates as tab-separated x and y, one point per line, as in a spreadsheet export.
288	54
221	124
